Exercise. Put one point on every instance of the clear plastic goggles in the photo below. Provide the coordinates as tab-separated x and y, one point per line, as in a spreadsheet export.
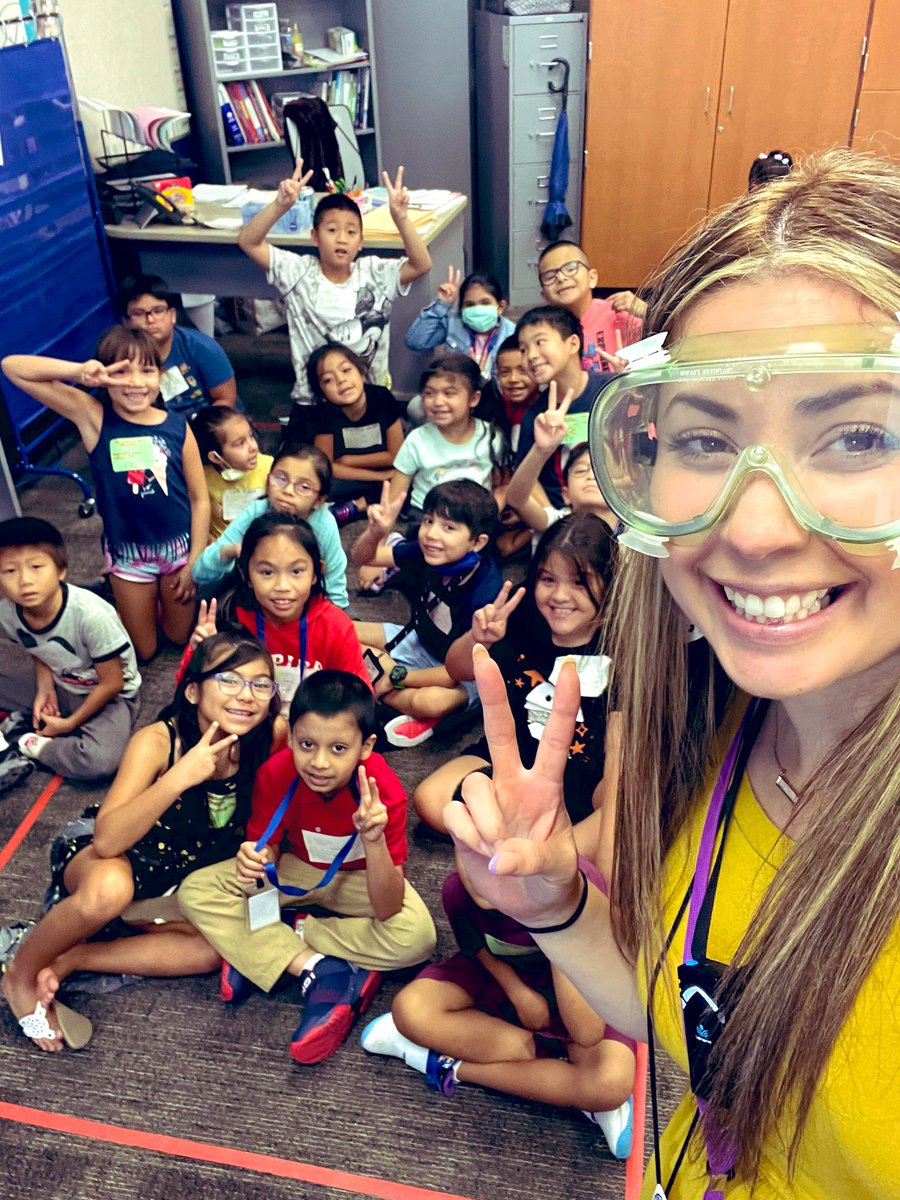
816	410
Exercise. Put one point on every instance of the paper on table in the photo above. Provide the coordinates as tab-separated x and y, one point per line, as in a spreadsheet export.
218	193
251	196
222	222
379	220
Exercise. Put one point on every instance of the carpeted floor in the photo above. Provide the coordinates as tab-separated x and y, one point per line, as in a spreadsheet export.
168	1061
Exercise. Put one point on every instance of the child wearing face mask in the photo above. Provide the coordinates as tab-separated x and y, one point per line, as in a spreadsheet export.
233	467
479	329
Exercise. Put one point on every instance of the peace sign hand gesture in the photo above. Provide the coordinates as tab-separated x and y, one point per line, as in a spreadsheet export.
289	189
550	426
201	761
512	834
449	290
489	623
206	623
398	196
94	374
382	517
371	817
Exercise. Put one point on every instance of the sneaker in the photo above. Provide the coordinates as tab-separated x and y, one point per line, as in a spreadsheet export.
32	744
406	731
14	769
234	987
336	992
378	584
382	1036
439	1073
347	512
15	724
617	1126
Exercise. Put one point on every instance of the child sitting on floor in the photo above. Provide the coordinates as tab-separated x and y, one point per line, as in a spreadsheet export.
518	391
453	580
328	828
75	710
568	279
333	295
299	484
233	467
360	428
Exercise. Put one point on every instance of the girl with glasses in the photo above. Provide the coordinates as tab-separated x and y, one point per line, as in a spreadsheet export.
753	922
299	485
180	801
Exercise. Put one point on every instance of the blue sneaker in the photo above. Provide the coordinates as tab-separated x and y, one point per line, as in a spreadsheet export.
336	992
617	1127
439	1073
234	988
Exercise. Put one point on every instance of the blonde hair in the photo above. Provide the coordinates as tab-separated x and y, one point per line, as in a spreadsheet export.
828	913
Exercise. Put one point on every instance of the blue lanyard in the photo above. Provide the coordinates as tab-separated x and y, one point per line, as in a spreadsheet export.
333	867
261	636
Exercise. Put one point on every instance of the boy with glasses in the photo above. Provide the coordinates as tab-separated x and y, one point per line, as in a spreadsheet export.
568	279
196	370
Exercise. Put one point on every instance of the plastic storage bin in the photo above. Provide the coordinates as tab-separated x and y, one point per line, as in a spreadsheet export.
252	18
229	52
297	219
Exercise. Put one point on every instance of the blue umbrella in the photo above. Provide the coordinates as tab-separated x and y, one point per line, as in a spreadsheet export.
556	215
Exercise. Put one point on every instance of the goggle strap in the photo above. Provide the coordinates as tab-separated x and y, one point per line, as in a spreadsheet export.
650	544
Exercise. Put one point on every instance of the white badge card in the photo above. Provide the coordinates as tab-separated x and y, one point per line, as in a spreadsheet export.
263	908
593	672
288	680
172	383
362	437
235	500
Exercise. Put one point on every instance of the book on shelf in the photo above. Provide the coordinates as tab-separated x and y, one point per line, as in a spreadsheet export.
234	135
247	114
263	108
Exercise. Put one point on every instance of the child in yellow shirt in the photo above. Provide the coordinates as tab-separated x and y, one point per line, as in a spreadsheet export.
234	469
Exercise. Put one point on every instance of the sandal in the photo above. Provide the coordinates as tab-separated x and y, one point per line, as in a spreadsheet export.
76	1029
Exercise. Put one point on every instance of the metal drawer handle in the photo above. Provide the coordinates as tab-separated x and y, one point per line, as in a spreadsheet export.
543	133
549	65
543	181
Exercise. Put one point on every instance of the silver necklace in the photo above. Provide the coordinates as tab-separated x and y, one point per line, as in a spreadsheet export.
782	782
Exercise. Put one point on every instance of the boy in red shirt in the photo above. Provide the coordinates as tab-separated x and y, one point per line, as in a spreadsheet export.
328	832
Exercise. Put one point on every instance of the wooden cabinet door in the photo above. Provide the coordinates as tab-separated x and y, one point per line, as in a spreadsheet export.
654	79
789	79
883	66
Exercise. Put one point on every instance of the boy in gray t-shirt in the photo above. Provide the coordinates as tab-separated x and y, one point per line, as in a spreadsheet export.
80	696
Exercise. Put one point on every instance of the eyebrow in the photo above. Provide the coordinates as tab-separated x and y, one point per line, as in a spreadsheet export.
810	406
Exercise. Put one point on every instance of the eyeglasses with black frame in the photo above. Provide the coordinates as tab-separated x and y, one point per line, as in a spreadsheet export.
567	270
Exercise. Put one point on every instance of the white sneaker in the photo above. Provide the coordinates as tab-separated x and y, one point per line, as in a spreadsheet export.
382	1036
617	1127
32	744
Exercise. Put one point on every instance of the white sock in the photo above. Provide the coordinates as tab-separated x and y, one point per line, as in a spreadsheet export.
311	962
413	1055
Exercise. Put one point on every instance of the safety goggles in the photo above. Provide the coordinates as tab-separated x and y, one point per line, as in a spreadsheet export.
817	410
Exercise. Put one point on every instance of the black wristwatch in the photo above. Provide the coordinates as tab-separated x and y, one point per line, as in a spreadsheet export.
397	676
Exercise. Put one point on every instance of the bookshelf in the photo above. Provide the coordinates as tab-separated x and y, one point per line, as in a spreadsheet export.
419	109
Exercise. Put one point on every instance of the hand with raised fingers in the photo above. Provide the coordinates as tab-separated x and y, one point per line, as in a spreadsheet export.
206	623
449	289
489	623
398	195
550	426
628	302
382	517
371	817
201	761
95	374
289	189
512	833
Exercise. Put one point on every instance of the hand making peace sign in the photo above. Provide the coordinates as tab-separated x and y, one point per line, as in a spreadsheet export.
513	834
371	817
206	623
289	189
383	516
550	426
449	289
201	761
94	374
398	195
489	623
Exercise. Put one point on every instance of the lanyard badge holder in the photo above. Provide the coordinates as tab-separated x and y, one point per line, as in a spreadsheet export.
263	907
704	1007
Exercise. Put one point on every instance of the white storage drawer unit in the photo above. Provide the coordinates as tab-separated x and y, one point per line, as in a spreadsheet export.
516	120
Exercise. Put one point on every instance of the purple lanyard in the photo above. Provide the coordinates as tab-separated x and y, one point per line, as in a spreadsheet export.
721	1153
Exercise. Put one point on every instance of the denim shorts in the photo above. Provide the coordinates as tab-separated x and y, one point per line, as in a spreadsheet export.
411	653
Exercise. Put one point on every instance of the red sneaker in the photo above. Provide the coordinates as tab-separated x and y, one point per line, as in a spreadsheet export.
336	992
405	731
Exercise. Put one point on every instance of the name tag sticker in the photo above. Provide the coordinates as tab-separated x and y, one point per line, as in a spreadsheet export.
235	500
132	454
288	680
263	908
322	848
362	437
172	383
576	429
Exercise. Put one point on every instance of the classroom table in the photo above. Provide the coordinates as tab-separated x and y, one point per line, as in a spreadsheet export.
194	258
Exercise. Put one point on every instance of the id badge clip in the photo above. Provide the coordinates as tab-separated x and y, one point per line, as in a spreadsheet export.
703	1018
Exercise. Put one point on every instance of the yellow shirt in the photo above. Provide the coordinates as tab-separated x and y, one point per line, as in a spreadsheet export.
226	500
850	1148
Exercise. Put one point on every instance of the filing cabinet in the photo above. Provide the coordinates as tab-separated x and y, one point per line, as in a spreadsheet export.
516	117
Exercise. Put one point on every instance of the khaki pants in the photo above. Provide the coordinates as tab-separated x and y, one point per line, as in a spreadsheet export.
214	902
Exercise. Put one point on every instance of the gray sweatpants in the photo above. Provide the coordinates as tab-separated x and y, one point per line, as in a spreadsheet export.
95	749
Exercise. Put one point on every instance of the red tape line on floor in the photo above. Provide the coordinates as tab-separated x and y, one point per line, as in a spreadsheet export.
634	1168
265	1164
29	819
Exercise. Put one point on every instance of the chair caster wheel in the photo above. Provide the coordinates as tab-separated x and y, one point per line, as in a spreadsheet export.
86	508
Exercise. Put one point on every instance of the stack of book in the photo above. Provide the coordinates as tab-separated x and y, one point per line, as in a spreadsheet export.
247	114
350	88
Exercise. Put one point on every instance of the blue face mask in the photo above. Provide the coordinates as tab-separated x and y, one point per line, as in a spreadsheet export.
481	318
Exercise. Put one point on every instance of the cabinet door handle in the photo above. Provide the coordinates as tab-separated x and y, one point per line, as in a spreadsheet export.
548	41
549	65
543	133
708	98
543	181
730	101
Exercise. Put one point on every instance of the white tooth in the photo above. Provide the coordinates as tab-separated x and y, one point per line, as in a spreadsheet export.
788	617
729	592
760	620
808	598
754	606
774	607
815	608
801	614
792	605
822	592
738	601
